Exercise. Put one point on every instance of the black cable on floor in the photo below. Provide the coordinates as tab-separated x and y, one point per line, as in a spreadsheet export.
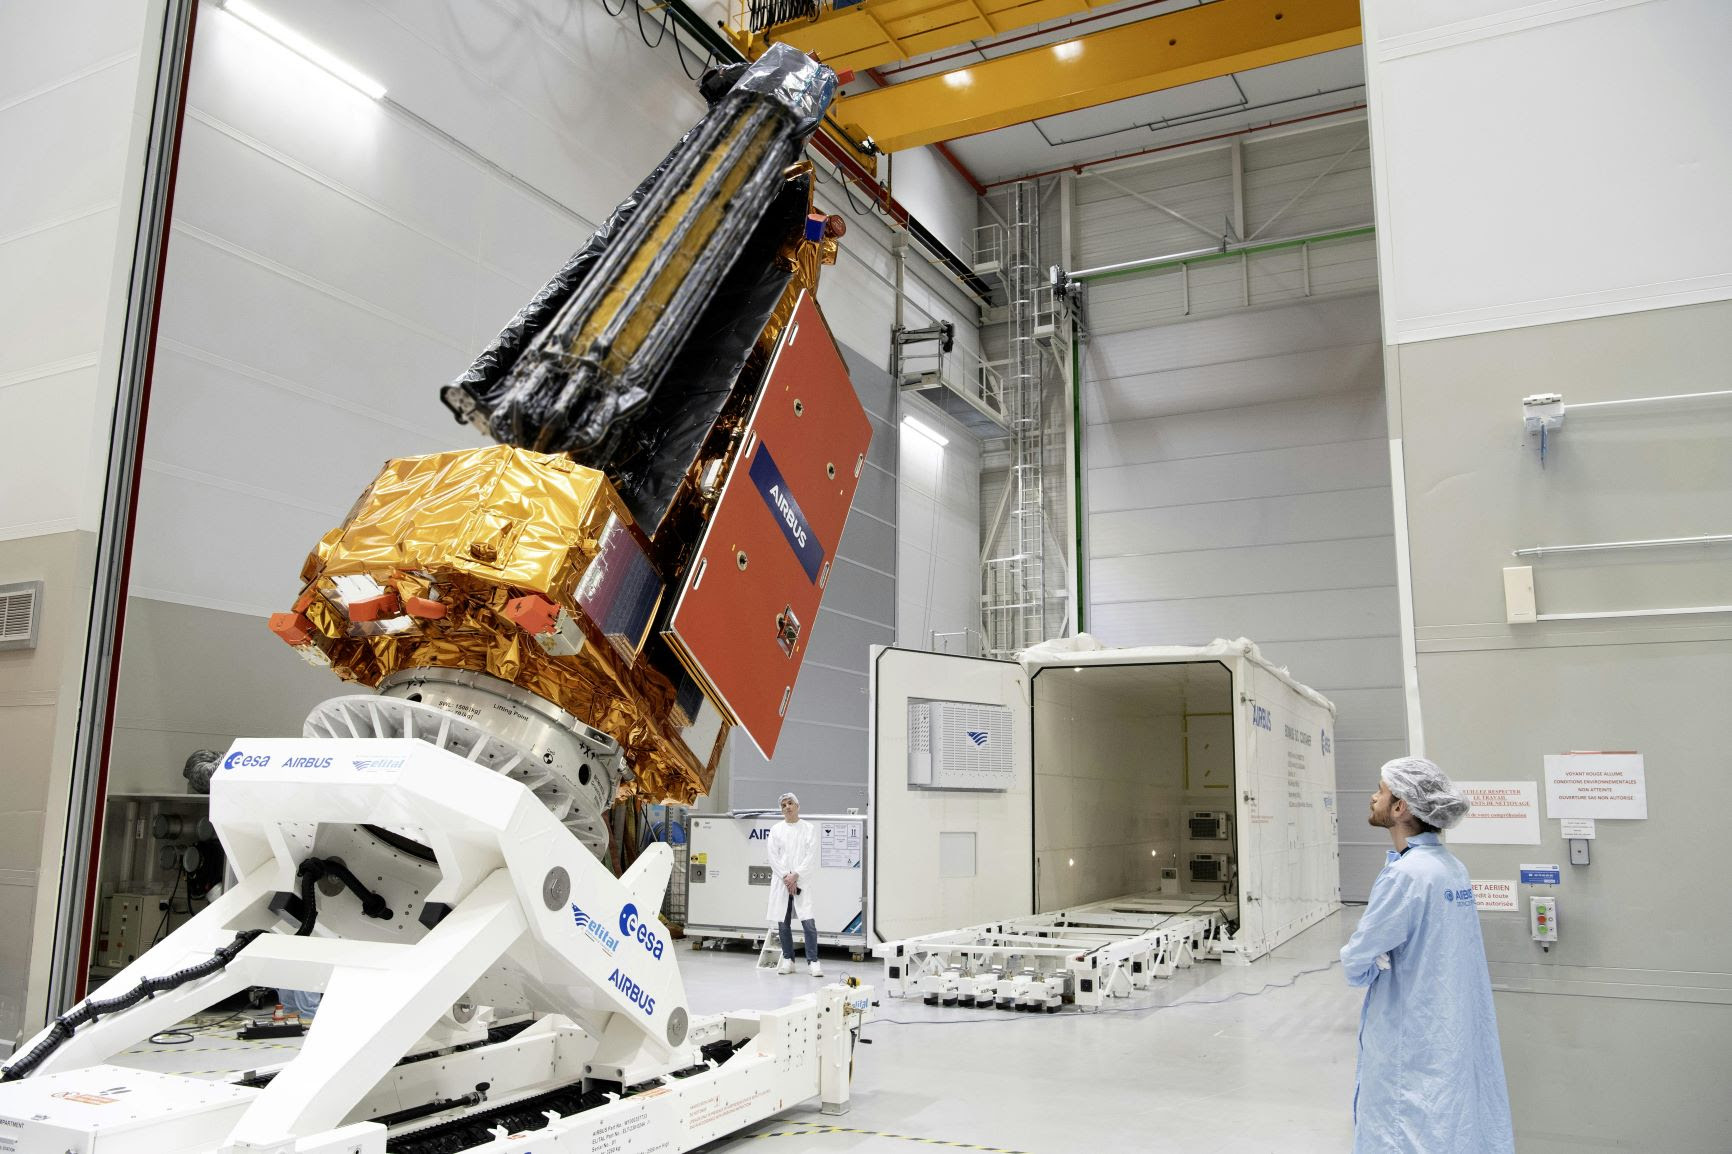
91	1009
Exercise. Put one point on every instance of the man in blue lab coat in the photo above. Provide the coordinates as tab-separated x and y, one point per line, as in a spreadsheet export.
1430	1072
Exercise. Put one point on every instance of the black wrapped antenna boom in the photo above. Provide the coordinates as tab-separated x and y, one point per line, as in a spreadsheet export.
592	349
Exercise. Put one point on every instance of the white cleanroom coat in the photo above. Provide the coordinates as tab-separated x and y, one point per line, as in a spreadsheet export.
793	849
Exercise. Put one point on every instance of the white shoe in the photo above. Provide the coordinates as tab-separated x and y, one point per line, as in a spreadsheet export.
787	966
816	970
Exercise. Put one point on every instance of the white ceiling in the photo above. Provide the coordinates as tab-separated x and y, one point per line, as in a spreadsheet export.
1238	102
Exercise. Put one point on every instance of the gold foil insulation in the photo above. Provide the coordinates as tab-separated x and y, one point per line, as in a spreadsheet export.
486	560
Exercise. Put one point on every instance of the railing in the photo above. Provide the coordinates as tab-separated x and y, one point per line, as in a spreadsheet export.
960	370
989	249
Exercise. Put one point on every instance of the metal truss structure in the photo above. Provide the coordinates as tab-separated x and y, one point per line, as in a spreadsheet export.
1082	955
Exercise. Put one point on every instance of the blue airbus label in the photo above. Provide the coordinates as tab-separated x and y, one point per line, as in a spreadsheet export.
786	511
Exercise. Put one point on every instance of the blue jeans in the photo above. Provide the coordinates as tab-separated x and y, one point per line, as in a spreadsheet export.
806	924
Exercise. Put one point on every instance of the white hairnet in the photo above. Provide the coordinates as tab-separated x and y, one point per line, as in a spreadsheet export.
787	797
1427	790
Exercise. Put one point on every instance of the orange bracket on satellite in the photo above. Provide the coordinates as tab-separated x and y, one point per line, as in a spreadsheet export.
424	607
533	613
375	608
293	628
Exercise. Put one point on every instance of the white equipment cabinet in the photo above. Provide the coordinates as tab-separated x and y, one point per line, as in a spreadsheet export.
1184	778
729	873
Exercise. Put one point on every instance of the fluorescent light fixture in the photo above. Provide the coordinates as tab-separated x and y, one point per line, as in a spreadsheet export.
304	48
1069	50
931	434
961	78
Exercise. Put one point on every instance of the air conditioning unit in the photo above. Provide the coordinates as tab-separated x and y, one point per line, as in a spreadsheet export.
959	745
20	614
1211	825
1211	867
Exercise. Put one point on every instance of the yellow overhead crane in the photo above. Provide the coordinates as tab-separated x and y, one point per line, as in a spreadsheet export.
1164	51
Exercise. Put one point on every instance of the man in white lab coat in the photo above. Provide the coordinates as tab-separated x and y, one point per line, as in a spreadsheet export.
793	848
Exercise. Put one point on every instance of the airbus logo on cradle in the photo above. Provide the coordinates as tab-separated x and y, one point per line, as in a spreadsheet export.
307	763
632	990
594	929
635	927
239	760
758	834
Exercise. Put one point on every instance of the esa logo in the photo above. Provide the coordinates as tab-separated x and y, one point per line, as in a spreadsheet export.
239	760
1326	745
633	991
978	737
789	514
307	763
758	834
1261	718
635	927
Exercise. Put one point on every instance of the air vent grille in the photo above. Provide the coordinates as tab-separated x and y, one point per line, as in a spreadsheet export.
20	609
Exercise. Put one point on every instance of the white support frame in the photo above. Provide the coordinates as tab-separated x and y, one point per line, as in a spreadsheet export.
1082	955
534	922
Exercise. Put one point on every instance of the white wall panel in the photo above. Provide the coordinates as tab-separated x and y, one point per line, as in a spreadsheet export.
1603	120
938	529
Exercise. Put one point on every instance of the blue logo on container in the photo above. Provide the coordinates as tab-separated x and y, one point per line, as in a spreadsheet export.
242	760
787	513
977	737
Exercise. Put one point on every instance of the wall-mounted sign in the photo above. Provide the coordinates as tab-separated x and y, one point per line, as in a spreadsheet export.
1495	897
1596	785
1503	813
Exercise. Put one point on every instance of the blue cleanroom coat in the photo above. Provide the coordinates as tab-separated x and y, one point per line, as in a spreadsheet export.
1430	1071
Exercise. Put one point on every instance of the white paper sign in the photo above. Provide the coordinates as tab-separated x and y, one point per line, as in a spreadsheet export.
839	847
1503	813
1578	828
1495	897
1596	785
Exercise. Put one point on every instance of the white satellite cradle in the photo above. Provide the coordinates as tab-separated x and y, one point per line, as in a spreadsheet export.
469	902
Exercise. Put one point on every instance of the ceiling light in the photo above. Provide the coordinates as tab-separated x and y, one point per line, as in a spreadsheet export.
304	48
1069	50
961	78
931	434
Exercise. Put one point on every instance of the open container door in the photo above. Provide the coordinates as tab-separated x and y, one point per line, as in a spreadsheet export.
943	857
1290	874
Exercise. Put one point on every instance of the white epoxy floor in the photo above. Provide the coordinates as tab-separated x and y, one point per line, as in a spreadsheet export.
1215	1060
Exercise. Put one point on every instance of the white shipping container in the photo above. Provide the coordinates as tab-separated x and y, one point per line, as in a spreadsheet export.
1205	761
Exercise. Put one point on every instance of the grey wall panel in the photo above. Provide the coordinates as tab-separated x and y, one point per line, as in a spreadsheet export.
1341	663
1333	516
1496	699
1359	563
1266	619
1269	473
1311	420
1238	486
822	750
